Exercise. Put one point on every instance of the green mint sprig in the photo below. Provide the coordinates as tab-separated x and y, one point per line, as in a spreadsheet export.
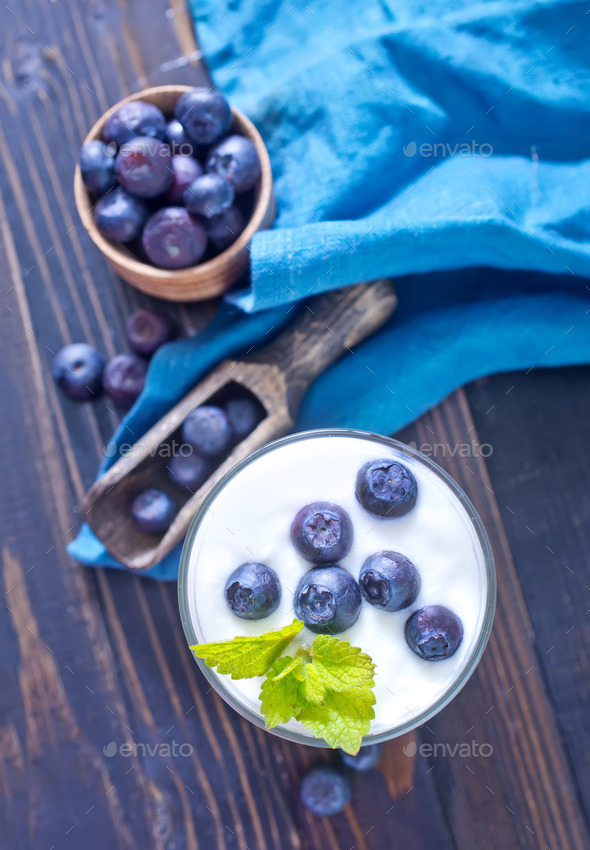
328	686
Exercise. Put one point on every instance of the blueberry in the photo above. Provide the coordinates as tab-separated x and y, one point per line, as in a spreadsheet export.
366	758
207	429
253	591
235	159
123	379
174	239
328	600
224	228
389	581
325	791
176	139
78	369
209	195
153	511
134	119
185	171
244	414
204	114
120	216
386	488
322	533
148	330
189	470
434	633
143	167
97	166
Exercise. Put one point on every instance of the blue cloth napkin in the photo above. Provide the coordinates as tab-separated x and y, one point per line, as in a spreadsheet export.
418	140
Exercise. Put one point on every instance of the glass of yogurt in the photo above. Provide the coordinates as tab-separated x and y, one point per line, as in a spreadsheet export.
248	518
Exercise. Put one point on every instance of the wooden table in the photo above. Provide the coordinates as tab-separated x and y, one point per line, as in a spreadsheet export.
91	657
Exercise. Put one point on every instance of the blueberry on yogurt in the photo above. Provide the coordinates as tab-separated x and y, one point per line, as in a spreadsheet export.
253	591
386	488
434	633
389	580
322	533
328	600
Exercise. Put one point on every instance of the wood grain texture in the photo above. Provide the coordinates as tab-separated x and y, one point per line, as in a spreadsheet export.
92	660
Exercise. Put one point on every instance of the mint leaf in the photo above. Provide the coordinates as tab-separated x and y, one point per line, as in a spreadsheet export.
340	666
245	657
279	695
341	720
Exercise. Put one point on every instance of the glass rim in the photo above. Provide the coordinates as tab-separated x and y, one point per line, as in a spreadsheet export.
217	681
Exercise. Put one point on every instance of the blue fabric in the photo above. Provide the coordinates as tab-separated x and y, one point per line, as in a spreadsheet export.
348	98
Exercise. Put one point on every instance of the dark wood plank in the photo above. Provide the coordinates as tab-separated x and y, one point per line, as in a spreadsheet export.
525	789
541	486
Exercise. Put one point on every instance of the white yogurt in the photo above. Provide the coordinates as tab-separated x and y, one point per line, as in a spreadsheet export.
250	519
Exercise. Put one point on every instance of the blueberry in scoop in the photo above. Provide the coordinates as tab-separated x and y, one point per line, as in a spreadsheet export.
97	166
322	533
434	632
389	580
366	758
138	118
386	488
124	378
325	791
207	429
235	159
148	330
188	470
153	511
224	229
244	414
173	239
209	195
77	369
120	216
253	591
205	115
143	167
328	600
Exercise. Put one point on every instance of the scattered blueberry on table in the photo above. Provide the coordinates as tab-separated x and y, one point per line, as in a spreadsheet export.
148	330
253	591
366	759
78	370
328	600
153	511
325	791
145	156
123	379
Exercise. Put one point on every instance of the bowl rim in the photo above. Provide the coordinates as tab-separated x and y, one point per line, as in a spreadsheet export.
217	681
119	255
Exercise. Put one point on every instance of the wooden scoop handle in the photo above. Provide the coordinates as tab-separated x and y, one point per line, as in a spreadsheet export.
329	326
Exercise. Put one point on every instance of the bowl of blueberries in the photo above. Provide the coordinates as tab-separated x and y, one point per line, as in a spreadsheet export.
171	185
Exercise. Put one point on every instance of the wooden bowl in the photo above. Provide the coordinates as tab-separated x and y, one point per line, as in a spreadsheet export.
211	277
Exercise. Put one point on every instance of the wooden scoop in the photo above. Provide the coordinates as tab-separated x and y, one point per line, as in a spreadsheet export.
277	375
